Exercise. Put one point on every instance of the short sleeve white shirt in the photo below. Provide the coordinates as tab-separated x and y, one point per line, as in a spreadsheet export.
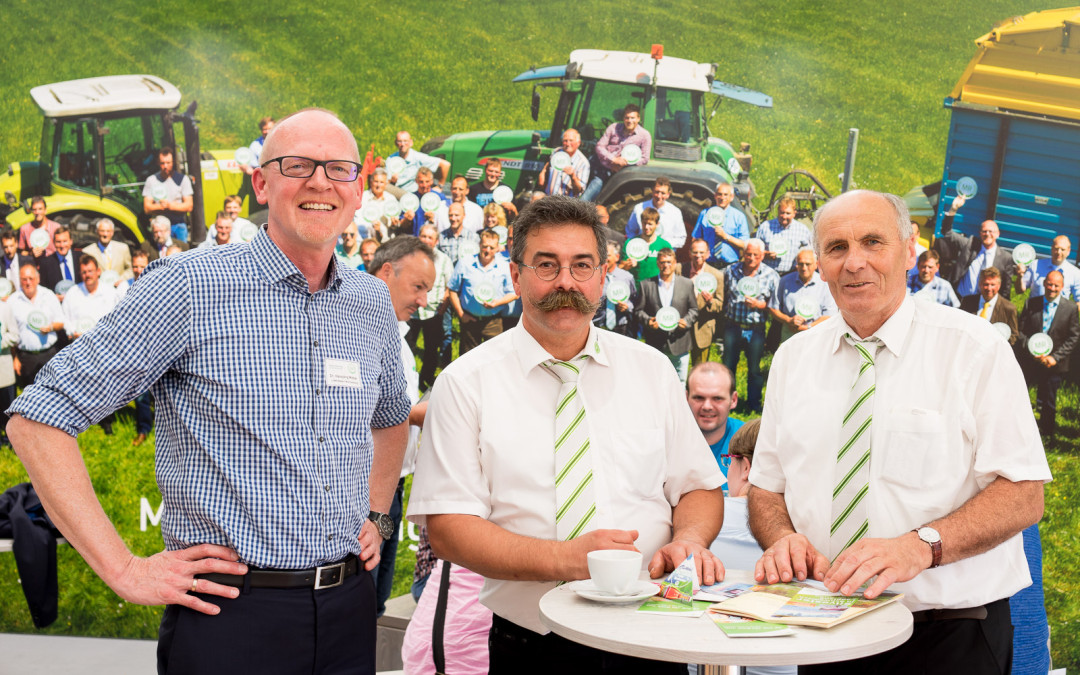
82	309
951	414
474	217
44	301
487	447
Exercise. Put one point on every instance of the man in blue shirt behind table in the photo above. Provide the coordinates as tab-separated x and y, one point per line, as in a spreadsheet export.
479	290
266	511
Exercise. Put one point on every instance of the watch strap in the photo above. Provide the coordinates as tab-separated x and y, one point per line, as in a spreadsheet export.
935	549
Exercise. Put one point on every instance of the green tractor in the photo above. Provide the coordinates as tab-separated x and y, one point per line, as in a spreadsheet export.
595	86
98	146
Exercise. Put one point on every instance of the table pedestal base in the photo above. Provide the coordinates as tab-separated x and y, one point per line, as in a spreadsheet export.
721	670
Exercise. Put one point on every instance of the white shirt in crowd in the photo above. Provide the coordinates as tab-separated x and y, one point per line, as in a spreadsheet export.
487	448
934	447
21	307
672	229
82	309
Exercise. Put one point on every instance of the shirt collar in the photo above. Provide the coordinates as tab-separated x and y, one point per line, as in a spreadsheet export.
275	266
893	333
530	354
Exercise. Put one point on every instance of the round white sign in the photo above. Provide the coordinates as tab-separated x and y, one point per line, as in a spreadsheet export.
618	291
109	277
244	156
37	320
468	249
391	207
430	202
39	238
715	216
371	212
63	286
705	283
733	167
248	231
560	160
1040	344
85	324
637	249
807	308
1003	330
502	194
748	286
410	202
779	247
967	187
502	232
485	291
395	165
611	319
6	287
1023	254
159	193
668	318
631	153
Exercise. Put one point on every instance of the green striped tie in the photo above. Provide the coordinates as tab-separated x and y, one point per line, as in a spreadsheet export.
852	475
574	495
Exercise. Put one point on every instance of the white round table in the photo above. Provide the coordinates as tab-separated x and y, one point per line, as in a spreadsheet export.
621	629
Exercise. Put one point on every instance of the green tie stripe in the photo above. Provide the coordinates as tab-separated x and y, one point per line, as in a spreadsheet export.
570	429
858	403
584	521
850	507
858	432
864	460
573	461
573	496
569	397
859	533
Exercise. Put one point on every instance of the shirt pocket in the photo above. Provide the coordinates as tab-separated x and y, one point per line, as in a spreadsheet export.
640	461
915	447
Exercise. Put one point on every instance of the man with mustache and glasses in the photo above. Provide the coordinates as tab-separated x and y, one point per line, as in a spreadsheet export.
498	499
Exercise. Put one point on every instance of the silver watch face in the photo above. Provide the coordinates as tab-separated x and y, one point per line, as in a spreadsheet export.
929	535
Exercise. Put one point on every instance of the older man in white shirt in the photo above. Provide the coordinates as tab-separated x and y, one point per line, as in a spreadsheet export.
459	194
921	489
86	303
38	317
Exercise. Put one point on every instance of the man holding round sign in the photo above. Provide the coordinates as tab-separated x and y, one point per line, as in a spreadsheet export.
612	153
964	256
802	299
36	236
723	227
642	251
38	320
169	193
480	288
426	203
62	264
616	312
672	226
784	237
459	194
85	303
989	304
875	478
404	165
750	286
667	311
1032	273
567	171
1049	333
709	288
487	191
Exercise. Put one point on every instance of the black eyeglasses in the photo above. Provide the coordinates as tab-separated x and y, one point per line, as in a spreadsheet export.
340	170
548	271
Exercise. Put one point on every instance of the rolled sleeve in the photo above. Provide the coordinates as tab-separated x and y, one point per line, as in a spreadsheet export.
690	462
394	404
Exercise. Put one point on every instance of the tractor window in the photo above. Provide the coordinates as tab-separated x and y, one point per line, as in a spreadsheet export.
74	162
677	116
603	104
130	154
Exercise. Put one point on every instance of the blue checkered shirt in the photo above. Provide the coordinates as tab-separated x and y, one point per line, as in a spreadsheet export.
797	237
255	450
451	245
938	290
735	307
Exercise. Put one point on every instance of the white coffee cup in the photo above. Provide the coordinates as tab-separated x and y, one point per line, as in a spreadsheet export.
614	571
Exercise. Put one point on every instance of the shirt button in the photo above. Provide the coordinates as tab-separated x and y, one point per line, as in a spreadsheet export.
316	343
321	439
317	392
329	537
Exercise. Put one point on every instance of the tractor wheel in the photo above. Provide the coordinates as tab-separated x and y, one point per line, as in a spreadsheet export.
802	186
689	201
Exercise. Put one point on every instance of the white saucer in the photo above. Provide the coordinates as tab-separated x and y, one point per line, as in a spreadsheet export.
587	589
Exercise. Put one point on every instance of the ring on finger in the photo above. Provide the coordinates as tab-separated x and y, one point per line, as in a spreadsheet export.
194	585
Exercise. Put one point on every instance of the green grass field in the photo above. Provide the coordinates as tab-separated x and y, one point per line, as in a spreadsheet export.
438	68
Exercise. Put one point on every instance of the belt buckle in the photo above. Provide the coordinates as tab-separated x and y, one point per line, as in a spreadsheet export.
338	579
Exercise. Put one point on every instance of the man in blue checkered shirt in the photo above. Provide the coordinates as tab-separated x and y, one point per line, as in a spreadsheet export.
750	288
927	285
282	424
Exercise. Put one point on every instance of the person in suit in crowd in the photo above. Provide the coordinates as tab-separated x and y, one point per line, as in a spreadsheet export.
1056	316
989	304
668	290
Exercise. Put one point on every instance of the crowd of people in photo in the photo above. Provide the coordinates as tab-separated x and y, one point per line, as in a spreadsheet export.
705	290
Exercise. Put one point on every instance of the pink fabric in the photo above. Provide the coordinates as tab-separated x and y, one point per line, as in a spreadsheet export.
465	634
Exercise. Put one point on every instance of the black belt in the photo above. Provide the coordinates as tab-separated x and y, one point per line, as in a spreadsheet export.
325	576
979	613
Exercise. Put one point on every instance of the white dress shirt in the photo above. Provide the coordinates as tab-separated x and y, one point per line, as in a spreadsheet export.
951	414
82	307
44	301
412	388
487	447
672	228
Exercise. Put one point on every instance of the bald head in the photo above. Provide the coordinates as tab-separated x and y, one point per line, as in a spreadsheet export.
300	124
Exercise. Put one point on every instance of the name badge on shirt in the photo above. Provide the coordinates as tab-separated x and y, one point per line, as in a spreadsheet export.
340	373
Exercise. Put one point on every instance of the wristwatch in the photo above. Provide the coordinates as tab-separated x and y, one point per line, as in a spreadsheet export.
383	522
933	539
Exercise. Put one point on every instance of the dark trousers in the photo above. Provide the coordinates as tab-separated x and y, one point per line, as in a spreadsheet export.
7	396
383	574
432	331
1046	391
948	647
517	650
144	413
478	330
446	350
31	363
270	630
751	340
